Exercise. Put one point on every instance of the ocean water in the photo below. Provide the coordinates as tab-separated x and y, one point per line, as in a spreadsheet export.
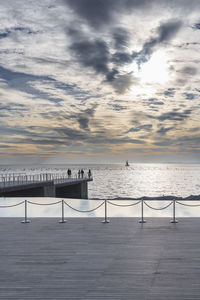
115	181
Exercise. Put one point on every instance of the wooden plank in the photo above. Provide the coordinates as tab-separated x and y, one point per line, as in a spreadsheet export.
85	259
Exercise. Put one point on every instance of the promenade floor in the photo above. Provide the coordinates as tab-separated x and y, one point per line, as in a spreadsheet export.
84	259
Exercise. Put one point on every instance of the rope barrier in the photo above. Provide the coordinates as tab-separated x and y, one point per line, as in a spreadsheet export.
123	205
195	205
36	203
84	211
162	208
7	206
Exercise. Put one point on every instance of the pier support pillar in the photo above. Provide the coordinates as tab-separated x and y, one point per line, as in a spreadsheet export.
84	190
49	190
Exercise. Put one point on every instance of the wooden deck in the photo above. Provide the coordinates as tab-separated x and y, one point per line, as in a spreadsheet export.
86	260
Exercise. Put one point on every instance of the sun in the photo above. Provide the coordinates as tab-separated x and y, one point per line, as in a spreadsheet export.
155	70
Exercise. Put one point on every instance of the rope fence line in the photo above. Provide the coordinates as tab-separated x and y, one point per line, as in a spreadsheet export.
161	208
84	211
194	205
104	202
123	205
36	203
8	206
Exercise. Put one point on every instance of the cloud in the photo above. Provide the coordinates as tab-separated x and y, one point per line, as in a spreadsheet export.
190	96
173	115
164	130
122	83
99	13
170	92
196	26
121	38
145	127
155	101
165	32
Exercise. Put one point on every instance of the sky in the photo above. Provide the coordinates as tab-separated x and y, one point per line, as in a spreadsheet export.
99	81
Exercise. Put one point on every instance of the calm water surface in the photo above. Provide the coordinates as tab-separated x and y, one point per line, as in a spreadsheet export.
116	181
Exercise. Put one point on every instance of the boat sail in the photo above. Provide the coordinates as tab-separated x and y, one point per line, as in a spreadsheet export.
127	164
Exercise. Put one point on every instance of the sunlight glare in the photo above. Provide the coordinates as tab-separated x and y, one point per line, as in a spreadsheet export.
155	70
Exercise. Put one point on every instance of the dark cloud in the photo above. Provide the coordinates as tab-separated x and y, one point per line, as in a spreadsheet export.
189	70
164	130
165	32
122	83
84	117
155	101
196	26
121	38
170	92
121	58
117	107
7	32
100	12
146	127
190	96
93	54
173	115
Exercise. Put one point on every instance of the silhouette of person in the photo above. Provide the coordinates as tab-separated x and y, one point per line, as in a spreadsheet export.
82	173
89	173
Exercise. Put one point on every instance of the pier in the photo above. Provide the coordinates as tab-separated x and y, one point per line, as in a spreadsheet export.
84	259
43	185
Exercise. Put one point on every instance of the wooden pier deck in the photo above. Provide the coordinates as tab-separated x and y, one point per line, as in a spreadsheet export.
84	259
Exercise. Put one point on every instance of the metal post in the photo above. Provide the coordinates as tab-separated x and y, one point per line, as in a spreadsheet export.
174	213
105	219
142	212
63	217
25	219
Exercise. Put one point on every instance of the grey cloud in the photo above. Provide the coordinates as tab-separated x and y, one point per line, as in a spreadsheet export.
121	38
169	92
146	127
196	26
117	107
190	96
164	130
93	54
189	70
7	32
122	83
165	32
174	115
100	12
155	101
121	58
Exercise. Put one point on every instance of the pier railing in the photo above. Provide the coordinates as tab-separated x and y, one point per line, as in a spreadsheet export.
23	178
140	201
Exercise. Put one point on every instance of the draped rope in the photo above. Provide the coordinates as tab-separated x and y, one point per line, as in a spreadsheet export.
123	205
162	208
194	205
84	211
36	203
7	206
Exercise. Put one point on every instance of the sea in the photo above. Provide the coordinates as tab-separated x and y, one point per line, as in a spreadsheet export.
119	184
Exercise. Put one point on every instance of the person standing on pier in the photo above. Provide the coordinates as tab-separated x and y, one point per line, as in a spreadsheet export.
89	173
82	173
69	173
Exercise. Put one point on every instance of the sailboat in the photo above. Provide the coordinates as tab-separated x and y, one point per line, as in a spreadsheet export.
127	164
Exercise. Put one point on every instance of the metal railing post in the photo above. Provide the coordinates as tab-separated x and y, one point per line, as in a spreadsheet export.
174	213
142	212
63	211
25	217
105	218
